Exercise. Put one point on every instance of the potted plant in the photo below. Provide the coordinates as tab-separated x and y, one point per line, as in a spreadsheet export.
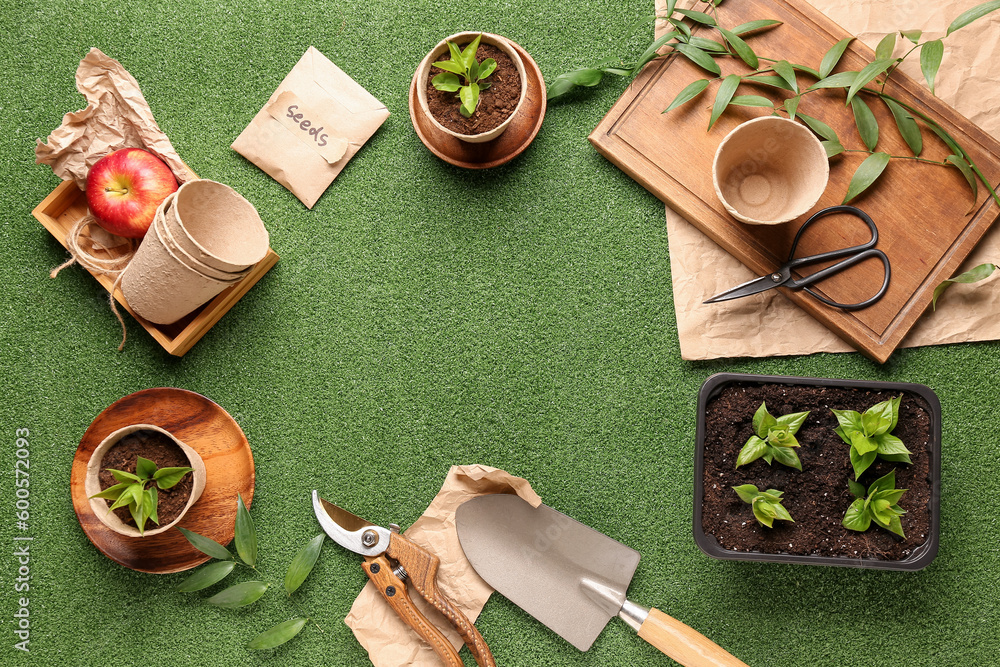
141	480
858	448
471	86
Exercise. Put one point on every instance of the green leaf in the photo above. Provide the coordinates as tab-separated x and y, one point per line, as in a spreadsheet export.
746	492
867	73
652	51
896	526
239	595
791	105
885	47
168	478
698	17
723	96
860	463
862	444
150	504
763	513
449	66
884	483
752	450
968	16
446	81
470	99
806	69
793	421
564	83
750	26
890	445
866	174
279	634
456	54
832	148
139	512
912	35
302	564
751	101
857	489
123	476
907	126
857	518
469	54
487	67
684	28
207	576
690	91
144	468
763	421
850	420
981	272
783	69
473	71
127	497
112	492
787	456
930	60
742	49
970	177
246	534
709	45
819	127
699	58
895	411
838	80
882	413
781	513
768	80
832	57
892	496
206	545
780	436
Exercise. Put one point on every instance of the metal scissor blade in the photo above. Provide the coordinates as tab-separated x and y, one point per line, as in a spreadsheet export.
350	531
755	286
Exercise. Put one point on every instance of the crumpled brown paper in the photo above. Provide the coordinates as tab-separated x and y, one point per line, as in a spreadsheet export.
769	324
389	641
342	108
116	116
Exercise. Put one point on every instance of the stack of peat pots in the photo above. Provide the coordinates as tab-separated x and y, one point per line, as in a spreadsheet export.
204	238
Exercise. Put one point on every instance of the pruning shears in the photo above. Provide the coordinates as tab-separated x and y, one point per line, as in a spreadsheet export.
390	561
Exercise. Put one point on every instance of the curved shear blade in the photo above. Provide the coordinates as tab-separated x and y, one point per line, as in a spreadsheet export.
755	286
350	531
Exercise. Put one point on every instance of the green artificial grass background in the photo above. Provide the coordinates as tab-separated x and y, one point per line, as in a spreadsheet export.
423	316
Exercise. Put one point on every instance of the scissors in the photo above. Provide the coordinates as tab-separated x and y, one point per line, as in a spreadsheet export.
390	561
783	276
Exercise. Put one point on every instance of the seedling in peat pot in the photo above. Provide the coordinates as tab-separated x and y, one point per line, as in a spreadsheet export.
870	435
134	490
878	504
774	439
472	72
766	504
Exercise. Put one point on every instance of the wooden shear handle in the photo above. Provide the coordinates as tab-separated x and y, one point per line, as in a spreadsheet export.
421	566
393	590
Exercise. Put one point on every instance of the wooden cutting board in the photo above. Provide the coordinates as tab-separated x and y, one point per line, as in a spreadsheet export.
925	213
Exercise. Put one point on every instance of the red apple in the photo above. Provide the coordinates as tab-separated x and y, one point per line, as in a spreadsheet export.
125	187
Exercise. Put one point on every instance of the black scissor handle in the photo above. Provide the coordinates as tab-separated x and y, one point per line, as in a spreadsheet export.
854	255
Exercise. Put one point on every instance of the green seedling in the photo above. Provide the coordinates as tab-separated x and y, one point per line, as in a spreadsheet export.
248	592
774	439
766	504
870	435
879	504
139	490
464	74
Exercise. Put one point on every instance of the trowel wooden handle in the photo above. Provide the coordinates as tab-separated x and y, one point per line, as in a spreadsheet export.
393	590
686	646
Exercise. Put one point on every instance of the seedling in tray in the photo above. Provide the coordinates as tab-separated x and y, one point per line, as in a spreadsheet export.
870	435
878	504
774	439
766	504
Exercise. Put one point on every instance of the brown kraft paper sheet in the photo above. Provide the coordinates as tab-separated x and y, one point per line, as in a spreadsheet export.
768	324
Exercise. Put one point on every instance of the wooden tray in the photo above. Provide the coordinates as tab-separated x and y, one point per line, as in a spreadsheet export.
67	204
204	426
514	140
920	209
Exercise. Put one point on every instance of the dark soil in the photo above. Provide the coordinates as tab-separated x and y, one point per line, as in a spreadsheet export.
817	497
496	103
165	453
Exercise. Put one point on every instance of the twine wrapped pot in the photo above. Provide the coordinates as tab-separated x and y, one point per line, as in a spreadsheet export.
442	47
92	484
204	239
770	170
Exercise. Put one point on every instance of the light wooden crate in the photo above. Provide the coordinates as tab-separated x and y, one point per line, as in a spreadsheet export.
67	204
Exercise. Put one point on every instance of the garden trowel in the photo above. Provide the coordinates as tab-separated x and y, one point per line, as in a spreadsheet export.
569	576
